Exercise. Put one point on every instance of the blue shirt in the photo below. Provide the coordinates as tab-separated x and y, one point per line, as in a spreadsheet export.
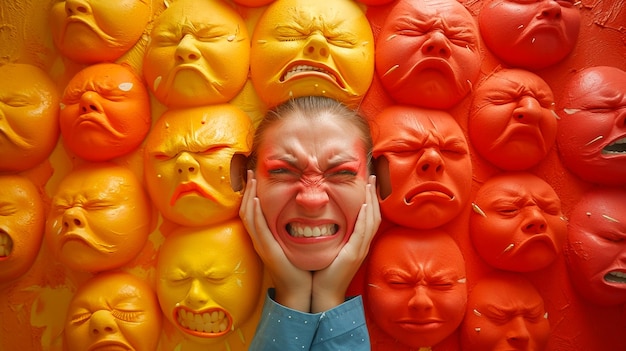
341	328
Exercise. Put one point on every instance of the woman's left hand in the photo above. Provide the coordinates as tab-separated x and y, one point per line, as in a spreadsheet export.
331	283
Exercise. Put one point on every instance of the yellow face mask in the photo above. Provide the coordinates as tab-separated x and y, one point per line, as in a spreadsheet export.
194	163
312	48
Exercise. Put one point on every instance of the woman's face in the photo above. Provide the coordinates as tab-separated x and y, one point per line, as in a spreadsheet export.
530	34
311	183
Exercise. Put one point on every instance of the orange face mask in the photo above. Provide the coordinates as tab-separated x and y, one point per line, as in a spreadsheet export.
105	112
113	310
29	117
21	226
91	31
99	219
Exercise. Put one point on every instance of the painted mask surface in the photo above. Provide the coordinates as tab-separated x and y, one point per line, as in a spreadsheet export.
596	250
105	112
209	281
29	117
505	312
22	220
313	48
311	178
90	31
427	53
99	218
530	34
199	54
423	166
416	290
513	121
194	162
517	223
113	311
591	136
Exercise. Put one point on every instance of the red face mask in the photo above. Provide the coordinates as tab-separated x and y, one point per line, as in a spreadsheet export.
592	130
428	53
422	164
596	250
529	34
416	290
517	223
512	122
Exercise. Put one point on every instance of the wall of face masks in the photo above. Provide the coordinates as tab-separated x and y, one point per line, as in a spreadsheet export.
499	132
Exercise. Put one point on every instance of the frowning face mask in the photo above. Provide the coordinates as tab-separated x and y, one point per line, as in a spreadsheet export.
513	122
199	54
505	312
105	112
416	288
529	34
517	223
91	31
423	166
312	48
427	53
100	218
194	159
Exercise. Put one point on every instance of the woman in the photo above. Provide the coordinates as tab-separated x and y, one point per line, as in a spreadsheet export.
311	209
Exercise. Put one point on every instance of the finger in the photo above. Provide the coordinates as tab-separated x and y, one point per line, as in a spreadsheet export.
373	215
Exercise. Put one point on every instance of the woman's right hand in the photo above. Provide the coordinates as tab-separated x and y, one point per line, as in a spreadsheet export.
293	285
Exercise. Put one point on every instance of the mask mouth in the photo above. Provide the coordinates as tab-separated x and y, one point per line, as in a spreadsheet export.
618	277
6	244
432	191
299	230
302	69
210	323
618	147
